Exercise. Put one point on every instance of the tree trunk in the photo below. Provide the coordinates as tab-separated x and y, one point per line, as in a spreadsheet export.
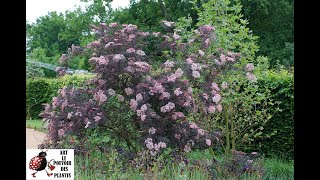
163	9
233	140
227	132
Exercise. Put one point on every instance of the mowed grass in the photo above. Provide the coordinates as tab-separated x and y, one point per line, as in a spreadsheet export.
36	125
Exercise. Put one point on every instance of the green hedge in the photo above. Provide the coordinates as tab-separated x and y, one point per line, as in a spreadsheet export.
42	90
278	138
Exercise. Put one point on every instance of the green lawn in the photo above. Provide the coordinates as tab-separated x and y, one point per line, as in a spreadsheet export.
36	125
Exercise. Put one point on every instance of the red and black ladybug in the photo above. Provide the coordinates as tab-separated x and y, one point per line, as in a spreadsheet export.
39	163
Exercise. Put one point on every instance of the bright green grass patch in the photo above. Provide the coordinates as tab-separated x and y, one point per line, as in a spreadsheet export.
36	125
278	169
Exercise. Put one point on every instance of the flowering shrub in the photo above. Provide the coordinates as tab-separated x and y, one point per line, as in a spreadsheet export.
161	98
239	164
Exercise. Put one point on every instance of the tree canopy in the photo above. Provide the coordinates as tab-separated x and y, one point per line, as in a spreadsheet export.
270	20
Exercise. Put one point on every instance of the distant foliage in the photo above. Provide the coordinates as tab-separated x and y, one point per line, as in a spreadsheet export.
42	90
232	31
278	136
148	14
52	34
286	56
273	22
32	71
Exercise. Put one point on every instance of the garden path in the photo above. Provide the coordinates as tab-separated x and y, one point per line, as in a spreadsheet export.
33	138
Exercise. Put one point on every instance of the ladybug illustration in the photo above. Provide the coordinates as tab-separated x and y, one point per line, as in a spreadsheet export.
40	162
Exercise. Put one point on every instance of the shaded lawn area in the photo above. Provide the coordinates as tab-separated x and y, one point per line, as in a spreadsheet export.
36	125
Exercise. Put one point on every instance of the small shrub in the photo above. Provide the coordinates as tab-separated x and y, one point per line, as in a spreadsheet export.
239	165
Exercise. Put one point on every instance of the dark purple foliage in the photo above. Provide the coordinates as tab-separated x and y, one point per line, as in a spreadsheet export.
161	100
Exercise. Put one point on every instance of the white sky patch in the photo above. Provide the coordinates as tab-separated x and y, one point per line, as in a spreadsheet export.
37	8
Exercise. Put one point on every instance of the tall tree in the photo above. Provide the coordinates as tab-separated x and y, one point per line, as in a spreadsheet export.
52	34
273	22
98	9
148	13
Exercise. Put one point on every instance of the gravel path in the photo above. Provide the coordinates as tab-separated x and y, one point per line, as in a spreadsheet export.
33	138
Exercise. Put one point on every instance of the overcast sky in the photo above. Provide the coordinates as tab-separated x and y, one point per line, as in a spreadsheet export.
37	8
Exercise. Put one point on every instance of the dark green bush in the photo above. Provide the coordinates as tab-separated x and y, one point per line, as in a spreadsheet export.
42	90
278	136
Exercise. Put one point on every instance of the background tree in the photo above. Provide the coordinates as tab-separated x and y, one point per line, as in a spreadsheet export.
148	13
98	10
52	34
272	21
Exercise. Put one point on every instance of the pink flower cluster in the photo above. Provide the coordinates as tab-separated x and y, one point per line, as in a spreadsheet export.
140	53
208	142
141	66
231	57
130	50
111	92
250	67
187	148
141	112
193	125
168	23
113	25
156	34
177	136
251	77
178	92
120	97
97	118
196	74
169	64
131	37
100	96
216	99
206	29
152	130
189	61
139	97
144	34
178	73
157	88
129	29
109	44
168	107
63	58
154	147
176	36
215	88
128	91
165	95
211	109
54	102
195	70
201	53
133	104
100	60
118	57
177	115
224	85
